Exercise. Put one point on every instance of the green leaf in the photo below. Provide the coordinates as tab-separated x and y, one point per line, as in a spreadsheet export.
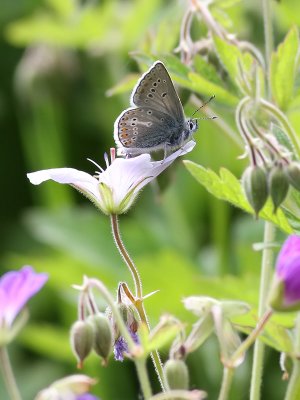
125	85
195	82
203	86
234	61
273	335
227	187
283	68
207	70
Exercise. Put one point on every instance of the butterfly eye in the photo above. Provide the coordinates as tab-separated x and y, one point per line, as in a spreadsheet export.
191	125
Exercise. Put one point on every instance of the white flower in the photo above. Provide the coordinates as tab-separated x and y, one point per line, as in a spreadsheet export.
112	190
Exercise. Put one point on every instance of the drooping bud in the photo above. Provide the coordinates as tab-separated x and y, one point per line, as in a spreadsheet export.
278	186
177	374
254	181
285	291
292	172
81	340
102	343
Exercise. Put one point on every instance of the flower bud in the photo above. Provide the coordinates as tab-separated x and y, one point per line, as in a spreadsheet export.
82	337
292	172
285	291
254	182
278	186
70	387
102	343
177	374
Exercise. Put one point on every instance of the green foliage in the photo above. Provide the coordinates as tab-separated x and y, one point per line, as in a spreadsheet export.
283	69
227	187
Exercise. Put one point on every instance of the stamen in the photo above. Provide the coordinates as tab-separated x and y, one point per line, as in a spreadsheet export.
106	160
112	154
97	165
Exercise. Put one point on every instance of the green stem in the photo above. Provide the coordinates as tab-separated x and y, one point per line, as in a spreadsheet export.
293	390
269	44
128	261
250	339
226	383
141	369
266	274
138	293
8	375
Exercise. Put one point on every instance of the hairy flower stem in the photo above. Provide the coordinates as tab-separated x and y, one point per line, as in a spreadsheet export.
265	279
226	383
293	390
138	292
8	375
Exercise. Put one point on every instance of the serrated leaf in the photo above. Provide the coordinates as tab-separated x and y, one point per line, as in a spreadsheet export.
233	60
227	187
207	70
201	85
283	68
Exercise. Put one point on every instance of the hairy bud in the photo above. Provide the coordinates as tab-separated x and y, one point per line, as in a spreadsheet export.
255	185
102	343
81	340
278	186
177	374
292	172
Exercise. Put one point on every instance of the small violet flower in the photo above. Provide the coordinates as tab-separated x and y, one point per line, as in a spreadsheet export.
285	292
112	190
16	288
121	346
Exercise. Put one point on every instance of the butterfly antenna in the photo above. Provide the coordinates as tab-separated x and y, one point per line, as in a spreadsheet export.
213	117
203	105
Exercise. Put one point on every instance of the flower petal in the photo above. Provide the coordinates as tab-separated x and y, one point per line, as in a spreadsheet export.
16	288
81	180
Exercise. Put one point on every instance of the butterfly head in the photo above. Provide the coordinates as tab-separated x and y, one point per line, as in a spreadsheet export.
191	127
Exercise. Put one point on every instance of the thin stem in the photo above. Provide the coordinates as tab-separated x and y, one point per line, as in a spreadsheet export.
139	294
128	261
250	339
141	369
116	313
226	383
8	375
155	354
265	279
269	43
293	390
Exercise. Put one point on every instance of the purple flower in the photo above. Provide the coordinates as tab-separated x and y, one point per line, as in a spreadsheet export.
87	396
121	345
16	288
285	293
120	348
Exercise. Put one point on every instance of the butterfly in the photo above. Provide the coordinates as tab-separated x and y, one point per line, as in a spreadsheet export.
156	120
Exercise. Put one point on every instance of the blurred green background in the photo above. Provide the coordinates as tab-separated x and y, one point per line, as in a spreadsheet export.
59	60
